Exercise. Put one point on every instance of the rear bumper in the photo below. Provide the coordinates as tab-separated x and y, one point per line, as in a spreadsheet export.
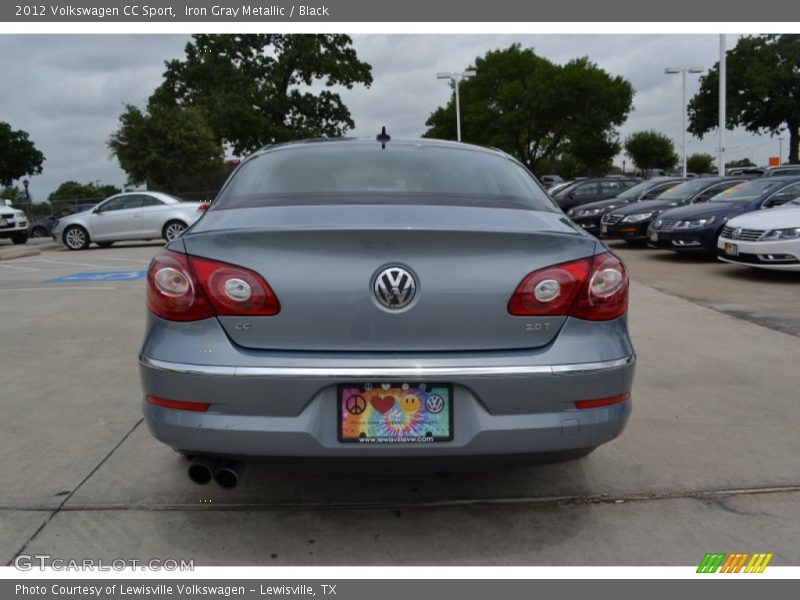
286	406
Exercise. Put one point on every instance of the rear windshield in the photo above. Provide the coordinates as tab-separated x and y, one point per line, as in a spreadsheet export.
346	173
744	192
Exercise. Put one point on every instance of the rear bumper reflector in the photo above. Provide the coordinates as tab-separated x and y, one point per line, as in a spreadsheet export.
598	402
179	404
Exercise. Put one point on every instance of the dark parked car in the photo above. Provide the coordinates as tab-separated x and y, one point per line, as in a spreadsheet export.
781	171
43	226
549	181
591	190
696	228
588	215
630	222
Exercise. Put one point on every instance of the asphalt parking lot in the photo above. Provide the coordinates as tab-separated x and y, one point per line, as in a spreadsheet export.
709	460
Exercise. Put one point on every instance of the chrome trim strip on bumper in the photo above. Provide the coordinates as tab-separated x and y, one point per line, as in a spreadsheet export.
383	372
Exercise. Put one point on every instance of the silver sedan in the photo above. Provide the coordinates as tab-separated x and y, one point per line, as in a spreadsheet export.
127	216
398	302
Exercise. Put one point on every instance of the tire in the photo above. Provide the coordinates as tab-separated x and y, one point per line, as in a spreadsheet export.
104	244
19	238
38	232
76	237
173	230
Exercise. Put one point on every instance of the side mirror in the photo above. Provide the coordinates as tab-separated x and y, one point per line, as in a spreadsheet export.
96	210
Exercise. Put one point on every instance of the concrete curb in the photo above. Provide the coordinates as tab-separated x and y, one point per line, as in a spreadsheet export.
49	246
18	253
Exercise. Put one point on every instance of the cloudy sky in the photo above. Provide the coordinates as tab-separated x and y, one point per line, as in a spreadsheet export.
67	91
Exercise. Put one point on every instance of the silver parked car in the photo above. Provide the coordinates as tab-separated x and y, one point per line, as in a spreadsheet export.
127	216
407	300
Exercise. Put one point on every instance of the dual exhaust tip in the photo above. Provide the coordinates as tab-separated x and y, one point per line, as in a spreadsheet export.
225	473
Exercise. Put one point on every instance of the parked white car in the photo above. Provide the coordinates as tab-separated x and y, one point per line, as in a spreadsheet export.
767	239
127	216
13	223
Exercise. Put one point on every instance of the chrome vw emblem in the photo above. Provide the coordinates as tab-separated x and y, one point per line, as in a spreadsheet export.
395	287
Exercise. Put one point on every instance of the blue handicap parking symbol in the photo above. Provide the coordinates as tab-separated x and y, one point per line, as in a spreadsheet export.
100	276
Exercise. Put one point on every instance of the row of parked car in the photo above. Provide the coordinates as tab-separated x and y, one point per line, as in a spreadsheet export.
743	220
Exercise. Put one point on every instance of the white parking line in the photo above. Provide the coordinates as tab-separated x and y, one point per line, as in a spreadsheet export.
59	288
66	262
117	259
18	268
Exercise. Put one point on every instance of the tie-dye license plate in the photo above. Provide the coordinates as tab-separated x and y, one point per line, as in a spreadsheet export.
395	413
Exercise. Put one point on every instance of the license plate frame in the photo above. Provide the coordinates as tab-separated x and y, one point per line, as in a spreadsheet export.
364	415
731	249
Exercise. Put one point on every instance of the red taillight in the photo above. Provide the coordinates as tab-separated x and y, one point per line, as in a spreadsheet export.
550	291
189	288
598	402
172	291
178	404
203	207
606	293
593	288
235	290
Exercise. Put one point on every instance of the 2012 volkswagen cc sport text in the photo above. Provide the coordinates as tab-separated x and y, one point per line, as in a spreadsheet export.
391	301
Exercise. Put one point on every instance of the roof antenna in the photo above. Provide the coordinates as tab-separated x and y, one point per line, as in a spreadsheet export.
383	137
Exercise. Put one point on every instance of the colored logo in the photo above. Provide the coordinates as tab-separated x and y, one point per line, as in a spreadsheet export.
356	405
737	562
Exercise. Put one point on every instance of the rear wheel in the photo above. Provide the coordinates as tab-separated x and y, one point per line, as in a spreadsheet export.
19	238
38	232
173	230
76	237
104	244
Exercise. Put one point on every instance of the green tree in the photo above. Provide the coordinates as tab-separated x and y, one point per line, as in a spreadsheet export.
18	155
700	163
13	193
165	144
537	110
256	89
72	190
763	95
650	150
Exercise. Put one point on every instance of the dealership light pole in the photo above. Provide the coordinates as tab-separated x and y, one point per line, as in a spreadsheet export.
723	87
455	78
683	71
